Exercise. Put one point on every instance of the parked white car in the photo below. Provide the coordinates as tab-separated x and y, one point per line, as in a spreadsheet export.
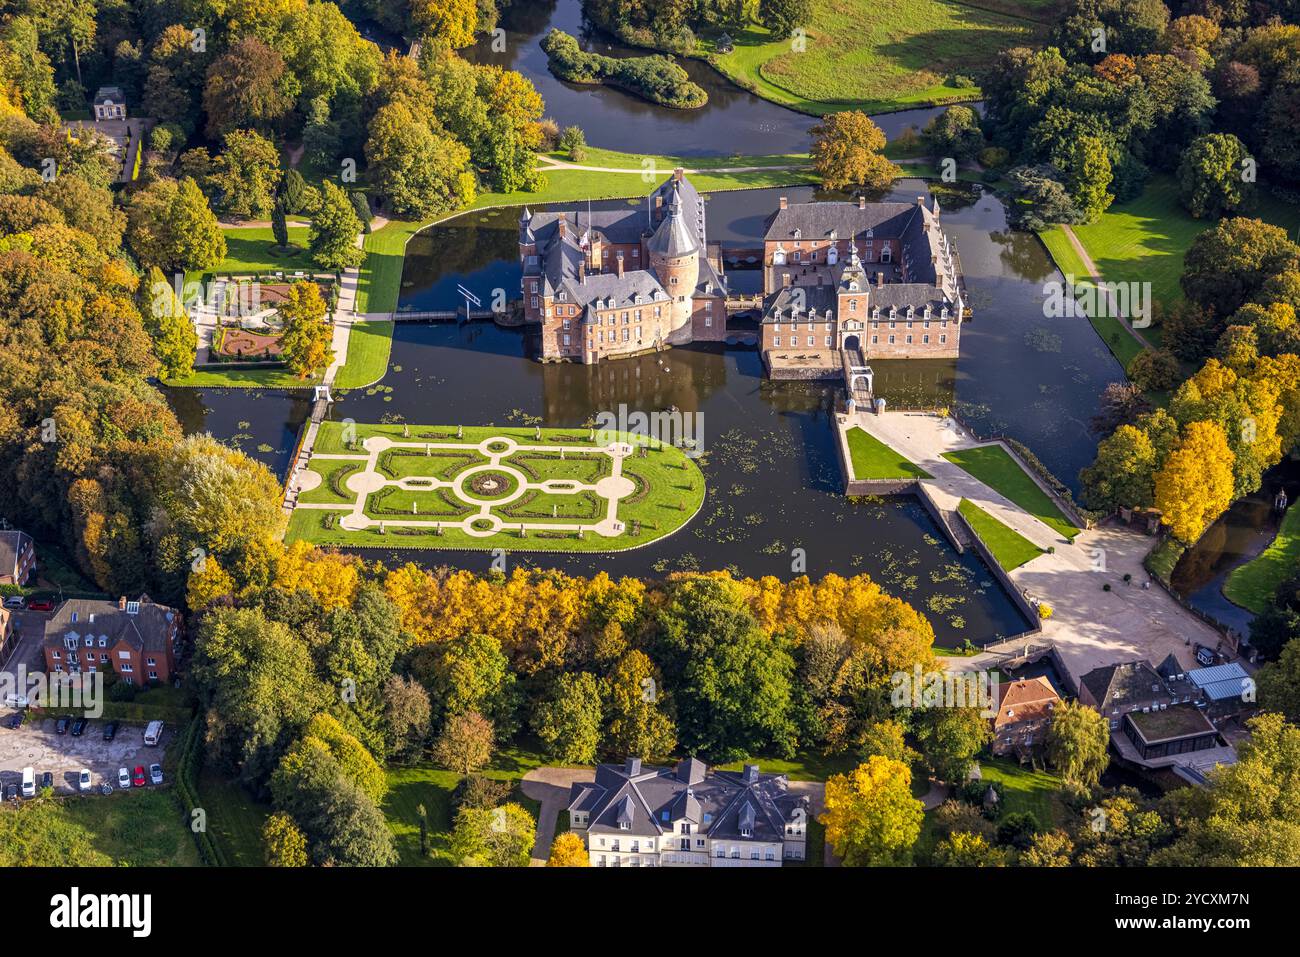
123	778
29	782
83	779
16	601
155	774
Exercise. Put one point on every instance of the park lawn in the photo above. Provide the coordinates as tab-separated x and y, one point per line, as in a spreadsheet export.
276	377
1026	790
1252	585
995	467
369	346
135	828
332	471
1009	547
1117	335
876	55
235	819
873	459
409	787
1144	240
252	249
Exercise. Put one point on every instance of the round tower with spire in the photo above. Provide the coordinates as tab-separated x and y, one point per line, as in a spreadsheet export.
673	251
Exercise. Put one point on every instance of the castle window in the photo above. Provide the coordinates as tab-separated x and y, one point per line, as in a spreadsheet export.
942	340
777	342
875	339
925	340
909	340
891	340
853	305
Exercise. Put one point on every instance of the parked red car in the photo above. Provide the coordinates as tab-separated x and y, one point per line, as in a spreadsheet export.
137	777
41	604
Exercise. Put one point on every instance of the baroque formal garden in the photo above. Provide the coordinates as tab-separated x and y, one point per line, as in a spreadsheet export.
457	487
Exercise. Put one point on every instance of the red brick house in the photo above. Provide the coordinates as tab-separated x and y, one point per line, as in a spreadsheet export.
137	639
1024	711
17	557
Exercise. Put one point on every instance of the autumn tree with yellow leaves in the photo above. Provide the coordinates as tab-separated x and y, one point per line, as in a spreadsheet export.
1195	485
871	818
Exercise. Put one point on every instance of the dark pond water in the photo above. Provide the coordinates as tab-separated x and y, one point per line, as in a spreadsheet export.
733	122
1241	533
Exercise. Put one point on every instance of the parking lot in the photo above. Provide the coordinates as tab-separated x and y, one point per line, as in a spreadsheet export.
36	745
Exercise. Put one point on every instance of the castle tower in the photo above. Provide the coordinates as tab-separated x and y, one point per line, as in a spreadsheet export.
527	241
674	256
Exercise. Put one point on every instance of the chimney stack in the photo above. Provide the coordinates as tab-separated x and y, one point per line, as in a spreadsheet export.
559	227
633	767
920	201
619	265
582	270
784	203
785	280
750	774
679	174
862	202
880	279
121	603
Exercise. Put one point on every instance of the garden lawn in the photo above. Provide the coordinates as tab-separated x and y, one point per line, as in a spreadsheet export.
873	459
253	250
235	819
1025	790
995	467
1009	547
369	346
878	55
1252	585
668	491
218	378
409	787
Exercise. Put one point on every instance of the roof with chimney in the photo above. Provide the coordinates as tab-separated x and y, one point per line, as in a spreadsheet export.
142	623
1029	699
641	800
1126	684
13	543
674	237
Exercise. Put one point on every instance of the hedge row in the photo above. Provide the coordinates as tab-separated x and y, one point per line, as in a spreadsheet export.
187	790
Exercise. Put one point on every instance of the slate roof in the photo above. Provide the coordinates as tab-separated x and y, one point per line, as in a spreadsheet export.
12	544
845	220
720	804
147	630
1125	684
674	236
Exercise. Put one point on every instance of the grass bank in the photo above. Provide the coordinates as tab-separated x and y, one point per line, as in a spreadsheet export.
1252	585
1009	547
995	467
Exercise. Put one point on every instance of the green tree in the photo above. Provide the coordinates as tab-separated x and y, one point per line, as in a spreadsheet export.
421	171
246	89
634	707
1278	688
1088	177
284	842
781	17
968	850
1078	743
730	681
1123	475
493	837
1212	176
1226	266
334	231
950	738
246	175
279	226
569	720
175	342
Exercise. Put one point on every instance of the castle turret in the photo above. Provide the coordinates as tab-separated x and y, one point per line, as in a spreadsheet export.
674	255
527	241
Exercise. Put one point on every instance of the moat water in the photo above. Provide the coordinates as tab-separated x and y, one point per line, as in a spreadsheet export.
774	479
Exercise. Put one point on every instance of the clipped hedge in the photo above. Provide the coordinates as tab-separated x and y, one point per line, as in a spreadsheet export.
655	78
188	767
